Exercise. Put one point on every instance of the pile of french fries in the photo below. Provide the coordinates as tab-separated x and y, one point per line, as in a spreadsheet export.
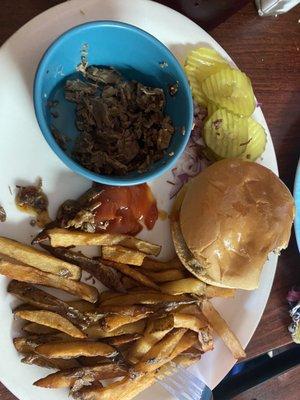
152	316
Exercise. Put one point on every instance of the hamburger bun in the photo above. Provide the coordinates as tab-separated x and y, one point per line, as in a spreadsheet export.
233	214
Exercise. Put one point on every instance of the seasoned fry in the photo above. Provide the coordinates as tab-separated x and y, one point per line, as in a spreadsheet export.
123	255
52	320
64	238
155	331
110	278
205	339
96	331
160	353
45	301
122	339
35	359
133	273
130	311
222	329
126	389
188	321
112	322
37	329
65	379
38	259
82	306
165	276
28	274
155	265
147	298
75	349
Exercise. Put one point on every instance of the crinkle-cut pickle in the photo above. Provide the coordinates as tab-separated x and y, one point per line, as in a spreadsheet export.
257	140
226	134
230	89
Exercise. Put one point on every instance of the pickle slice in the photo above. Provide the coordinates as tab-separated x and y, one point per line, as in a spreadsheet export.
211	108
206	62
226	134
257	140
230	89
197	93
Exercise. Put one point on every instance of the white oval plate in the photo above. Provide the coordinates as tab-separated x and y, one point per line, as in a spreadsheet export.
25	155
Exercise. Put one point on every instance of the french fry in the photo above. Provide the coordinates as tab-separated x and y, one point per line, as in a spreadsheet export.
75	349
159	354
110	278
205	339
221	328
27	344
107	294
65	379
133	273
37	329
45	301
38	259
123	255
147	298
112	322
156	265
97	332
195	286
129	283
155	331
64	238
188	321
186	341
82	305
28	274
126	389
118	341
52	320
165	276
186	285
35	359
130	311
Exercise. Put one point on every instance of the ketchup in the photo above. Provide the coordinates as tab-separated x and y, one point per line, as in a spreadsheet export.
123	209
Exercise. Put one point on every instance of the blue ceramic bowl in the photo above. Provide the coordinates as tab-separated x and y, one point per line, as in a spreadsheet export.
137	55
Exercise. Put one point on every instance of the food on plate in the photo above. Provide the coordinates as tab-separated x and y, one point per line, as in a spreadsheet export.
103	273
195	286
134	273
122	124
227	93
42	300
24	273
221	328
32	200
82	376
113	209
122	255
75	349
154	313
232	216
38	259
2	214
65	238
52	320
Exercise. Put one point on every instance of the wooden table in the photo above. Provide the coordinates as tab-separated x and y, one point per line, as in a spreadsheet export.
268	50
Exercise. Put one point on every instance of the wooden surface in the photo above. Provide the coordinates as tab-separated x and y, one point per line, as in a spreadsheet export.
268	50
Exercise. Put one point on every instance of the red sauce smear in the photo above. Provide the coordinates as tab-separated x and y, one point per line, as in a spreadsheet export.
123	209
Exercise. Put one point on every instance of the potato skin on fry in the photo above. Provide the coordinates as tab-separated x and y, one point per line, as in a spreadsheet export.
75	349
38	259
64	238
123	255
28	274
67	378
52	320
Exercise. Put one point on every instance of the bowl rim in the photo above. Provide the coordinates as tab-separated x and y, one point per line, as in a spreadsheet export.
64	157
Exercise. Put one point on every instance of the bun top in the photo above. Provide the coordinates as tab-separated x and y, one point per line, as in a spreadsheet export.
233	215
